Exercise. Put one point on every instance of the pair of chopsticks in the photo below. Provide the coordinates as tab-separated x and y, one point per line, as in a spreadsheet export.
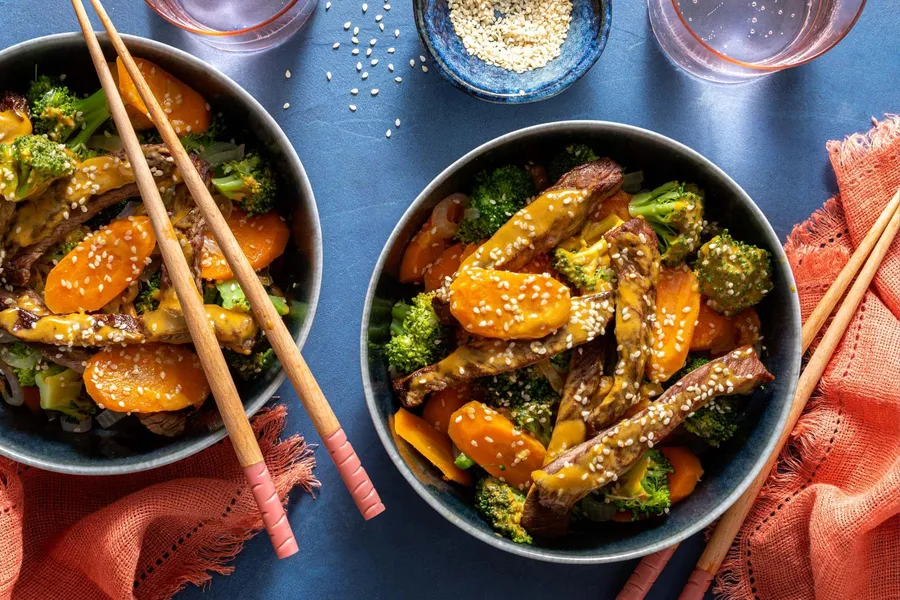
203	336
864	262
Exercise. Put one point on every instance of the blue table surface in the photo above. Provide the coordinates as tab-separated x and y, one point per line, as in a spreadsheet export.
769	135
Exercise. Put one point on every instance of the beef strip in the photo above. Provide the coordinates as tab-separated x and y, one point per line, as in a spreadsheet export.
71	358
635	258
481	357
11	101
167	423
602	459
584	380
76	329
558	213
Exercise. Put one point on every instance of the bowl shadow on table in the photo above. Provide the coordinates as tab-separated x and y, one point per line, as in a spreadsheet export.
724	467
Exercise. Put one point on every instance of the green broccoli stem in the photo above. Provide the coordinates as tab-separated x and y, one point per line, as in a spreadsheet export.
231	186
398	315
91	113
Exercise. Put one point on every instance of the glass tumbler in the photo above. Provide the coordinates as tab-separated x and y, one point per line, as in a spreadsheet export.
237	25
731	41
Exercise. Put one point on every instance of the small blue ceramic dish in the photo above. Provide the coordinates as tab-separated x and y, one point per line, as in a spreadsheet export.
586	40
128	447
728	470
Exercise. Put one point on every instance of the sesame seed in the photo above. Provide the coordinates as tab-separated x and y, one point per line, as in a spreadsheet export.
375	92
347	25
286	106
397	123
365	7
387	134
287	74
336	46
398	79
328	75
353	108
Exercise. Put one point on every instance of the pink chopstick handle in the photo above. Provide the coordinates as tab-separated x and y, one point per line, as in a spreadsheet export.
354	476
645	574
271	509
696	585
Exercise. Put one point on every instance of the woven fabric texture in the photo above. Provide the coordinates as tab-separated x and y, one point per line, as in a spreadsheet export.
145	535
827	523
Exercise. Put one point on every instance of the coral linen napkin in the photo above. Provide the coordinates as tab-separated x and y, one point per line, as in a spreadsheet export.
144	535
827	525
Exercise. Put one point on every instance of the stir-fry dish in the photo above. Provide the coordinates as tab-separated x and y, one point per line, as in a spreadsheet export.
90	327
567	323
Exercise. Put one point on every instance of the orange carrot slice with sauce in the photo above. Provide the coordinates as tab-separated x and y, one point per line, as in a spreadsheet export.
677	307
496	444
687	472
617	204
441	405
506	305
100	267
263	238
146	378
430	443
187	110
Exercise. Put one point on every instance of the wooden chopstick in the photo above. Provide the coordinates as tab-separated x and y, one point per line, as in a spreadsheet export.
320	412
647	571
203	336
730	523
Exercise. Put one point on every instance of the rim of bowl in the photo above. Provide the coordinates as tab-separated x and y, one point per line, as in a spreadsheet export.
544	93
548	554
307	197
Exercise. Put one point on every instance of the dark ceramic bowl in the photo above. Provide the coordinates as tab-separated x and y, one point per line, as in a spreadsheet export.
128	447
728	470
586	40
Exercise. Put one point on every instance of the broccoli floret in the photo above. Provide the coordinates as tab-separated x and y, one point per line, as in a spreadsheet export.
732	274
248	367
198	142
26	377
675	211
502	506
716	422
249	182
644	489
497	196
692	364
583	259
529	397
147	298
232	297
29	164
570	157
62	116
60	390
417	337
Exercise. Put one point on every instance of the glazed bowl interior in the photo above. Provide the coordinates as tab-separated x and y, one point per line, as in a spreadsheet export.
729	469
585	41
129	447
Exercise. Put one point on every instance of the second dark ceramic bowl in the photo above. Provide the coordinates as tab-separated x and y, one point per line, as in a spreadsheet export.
584	44
31	439
728	470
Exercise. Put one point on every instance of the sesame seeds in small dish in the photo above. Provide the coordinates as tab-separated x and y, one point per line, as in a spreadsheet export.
568	329
513	51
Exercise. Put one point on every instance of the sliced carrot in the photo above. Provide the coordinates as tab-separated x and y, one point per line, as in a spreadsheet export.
677	307
100	267
746	325
445	266
32	396
187	110
687	471
263	238
714	332
617	204
431	443
441	405
146	378
506	305
421	253
494	442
